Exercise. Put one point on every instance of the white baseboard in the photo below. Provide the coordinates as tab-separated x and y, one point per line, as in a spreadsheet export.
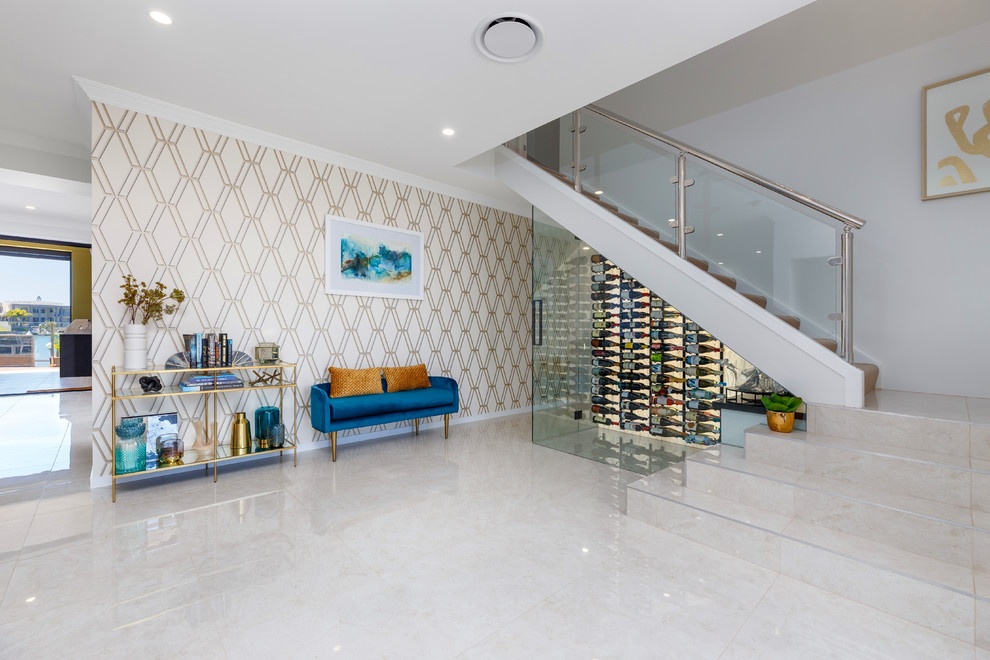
104	481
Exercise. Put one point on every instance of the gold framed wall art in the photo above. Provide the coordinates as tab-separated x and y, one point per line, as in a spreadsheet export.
955	124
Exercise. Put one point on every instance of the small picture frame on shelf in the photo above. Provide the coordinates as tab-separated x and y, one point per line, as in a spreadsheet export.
158	424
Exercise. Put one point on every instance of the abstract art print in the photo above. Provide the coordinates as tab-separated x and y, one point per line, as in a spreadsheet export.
956	136
365	259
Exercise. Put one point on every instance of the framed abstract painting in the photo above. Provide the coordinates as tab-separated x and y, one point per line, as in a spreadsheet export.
365	259
955	127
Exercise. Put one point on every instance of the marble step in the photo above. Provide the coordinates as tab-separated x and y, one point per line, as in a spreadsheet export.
909	472
938	530
927	591
880	430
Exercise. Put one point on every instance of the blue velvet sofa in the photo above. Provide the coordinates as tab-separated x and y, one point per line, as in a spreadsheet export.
330	415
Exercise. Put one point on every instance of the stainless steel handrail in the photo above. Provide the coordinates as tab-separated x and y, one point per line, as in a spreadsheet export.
843	217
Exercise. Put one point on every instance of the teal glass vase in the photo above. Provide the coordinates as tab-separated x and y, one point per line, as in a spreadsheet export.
129	448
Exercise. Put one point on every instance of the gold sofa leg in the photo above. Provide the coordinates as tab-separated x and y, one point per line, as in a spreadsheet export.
416	422
446	426
333	446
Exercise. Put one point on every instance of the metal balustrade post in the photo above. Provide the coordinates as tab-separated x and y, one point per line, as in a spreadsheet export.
576	149
846	328
682	185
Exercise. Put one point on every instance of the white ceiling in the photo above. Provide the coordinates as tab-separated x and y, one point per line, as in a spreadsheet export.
374	80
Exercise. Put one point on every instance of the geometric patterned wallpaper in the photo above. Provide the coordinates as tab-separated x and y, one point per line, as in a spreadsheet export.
239	228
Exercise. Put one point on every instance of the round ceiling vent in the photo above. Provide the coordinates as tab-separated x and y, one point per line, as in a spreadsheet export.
508	37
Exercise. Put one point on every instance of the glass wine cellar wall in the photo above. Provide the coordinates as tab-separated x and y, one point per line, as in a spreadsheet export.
619	375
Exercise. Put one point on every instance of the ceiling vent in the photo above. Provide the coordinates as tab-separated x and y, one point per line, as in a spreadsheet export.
508	37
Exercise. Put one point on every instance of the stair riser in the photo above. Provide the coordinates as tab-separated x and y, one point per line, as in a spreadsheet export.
930	481
734	538
944	610
924	536
940	609
867	426
747	489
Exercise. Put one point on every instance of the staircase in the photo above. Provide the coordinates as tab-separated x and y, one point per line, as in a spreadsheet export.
870	371
890	510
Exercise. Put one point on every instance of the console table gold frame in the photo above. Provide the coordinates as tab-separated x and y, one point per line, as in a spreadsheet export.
220	453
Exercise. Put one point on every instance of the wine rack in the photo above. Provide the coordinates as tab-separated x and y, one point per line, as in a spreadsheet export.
653	370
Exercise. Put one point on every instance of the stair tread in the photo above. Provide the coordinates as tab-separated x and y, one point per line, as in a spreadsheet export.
858	548
725	279
848	444
628	218
830	344
700	263
792	321
759	300
732	458
879	554
664	488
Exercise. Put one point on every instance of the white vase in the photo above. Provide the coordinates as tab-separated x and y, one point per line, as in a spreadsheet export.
135	347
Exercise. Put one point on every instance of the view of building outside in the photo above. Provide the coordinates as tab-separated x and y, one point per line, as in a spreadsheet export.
34	300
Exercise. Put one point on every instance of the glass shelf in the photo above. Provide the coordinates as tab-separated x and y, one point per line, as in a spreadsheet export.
224	452
159	368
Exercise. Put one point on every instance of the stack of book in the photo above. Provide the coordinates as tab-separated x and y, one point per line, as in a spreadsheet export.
222	380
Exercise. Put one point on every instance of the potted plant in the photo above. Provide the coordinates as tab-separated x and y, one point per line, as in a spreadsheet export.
780	411
153	302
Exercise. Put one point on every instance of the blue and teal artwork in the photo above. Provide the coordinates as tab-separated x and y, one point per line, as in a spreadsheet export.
373	260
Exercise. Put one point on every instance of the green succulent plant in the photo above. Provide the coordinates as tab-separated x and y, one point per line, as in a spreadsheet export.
784	404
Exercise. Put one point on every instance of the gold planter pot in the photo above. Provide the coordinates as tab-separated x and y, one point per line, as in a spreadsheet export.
780	422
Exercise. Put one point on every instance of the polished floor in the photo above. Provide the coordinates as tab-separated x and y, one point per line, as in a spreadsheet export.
481	546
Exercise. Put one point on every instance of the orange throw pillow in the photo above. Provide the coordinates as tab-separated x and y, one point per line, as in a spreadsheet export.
406	378
355	382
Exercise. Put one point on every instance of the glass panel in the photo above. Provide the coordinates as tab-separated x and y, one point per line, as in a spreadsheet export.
629	172
772	247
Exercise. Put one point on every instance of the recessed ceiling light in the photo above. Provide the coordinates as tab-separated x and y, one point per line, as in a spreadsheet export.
599	192
586	248
759	252
30	208
448	131
720	234
160	17
720	263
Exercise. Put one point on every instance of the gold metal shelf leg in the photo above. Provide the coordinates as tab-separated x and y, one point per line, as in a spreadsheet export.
113	488
416	422
333	446
446	426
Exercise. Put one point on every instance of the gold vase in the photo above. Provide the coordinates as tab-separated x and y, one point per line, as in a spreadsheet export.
781	422
240	435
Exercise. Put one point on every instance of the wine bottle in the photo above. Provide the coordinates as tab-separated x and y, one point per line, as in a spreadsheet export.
599	259
694	337
700	439
665	412
604	410
600	419
605	391
605	342
603	325
699	405
699	427
634	405
662	314
601	400
702	394
599	268
601	297
704	382
632	304
603	288
672	379
631	294
690	326
701	348
605	354
603	363
631	346
598	381
632	416
666	401
665	324
695	360
633	336
630	426
701	415
663	334
659	420
701	371
604	307
629	366
600	315
605	278
635	387
666	431
661	389
602	372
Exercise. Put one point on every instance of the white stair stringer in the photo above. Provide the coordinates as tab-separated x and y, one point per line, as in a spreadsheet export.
793	359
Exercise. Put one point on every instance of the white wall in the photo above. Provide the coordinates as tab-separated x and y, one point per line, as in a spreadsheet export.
853	140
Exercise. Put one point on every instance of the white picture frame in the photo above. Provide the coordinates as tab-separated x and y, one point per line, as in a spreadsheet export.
365	259
955	122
